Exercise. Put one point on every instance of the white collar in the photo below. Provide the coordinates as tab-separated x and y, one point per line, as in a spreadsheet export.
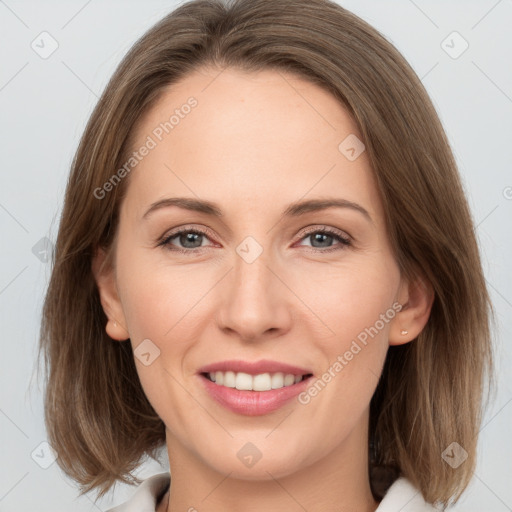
402	496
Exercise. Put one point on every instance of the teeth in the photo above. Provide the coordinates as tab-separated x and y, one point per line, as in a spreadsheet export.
261	382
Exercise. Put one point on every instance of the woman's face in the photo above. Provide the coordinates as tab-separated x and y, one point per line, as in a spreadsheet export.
263	282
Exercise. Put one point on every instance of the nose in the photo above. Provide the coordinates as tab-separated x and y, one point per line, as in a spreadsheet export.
255	301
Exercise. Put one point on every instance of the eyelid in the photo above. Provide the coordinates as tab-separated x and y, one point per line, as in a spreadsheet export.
315	228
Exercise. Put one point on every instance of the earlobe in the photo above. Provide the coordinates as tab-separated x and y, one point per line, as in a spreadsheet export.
116	330
104	276
416	298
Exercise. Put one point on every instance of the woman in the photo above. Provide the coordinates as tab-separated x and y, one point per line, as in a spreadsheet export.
266	264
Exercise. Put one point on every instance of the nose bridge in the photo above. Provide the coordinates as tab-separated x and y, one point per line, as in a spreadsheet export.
254	300
251	274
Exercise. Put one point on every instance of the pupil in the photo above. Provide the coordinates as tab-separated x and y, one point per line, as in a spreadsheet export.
318	238
190	237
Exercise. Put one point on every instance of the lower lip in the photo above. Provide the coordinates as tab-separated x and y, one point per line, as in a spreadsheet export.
253	403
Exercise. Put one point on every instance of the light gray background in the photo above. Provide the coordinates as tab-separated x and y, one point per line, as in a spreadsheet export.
45	104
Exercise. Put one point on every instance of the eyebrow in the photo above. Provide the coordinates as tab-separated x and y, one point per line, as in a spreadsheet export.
293	210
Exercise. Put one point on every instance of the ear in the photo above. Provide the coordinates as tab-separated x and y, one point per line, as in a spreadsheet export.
104	276
416	298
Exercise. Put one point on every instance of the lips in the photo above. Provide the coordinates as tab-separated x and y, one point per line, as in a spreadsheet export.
251	402
254	368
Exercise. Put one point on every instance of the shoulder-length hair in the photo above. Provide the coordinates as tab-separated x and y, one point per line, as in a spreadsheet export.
431	392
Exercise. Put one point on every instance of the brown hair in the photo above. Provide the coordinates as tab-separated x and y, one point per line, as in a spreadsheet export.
430	394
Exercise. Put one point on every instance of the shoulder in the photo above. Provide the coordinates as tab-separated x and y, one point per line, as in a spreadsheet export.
146	495
403	496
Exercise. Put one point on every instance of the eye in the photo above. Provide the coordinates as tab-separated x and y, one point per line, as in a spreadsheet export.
190	240
323	238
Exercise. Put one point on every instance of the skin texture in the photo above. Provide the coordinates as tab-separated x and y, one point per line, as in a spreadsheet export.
254	144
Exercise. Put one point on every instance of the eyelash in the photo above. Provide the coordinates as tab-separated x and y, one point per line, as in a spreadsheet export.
344	241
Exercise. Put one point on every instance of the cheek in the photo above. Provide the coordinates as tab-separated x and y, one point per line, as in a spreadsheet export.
168	305
354	309
156	296
161	305
347	298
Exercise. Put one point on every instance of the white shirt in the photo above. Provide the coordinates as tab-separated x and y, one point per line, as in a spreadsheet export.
402	496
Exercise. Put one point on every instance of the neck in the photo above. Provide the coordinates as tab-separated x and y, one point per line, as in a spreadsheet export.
337	481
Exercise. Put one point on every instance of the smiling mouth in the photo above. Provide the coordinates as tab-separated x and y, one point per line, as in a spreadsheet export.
261	382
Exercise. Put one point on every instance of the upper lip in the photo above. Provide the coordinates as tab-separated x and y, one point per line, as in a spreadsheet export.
254	368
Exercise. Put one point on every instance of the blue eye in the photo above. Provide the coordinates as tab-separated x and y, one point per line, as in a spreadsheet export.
191	240
326	235
187	237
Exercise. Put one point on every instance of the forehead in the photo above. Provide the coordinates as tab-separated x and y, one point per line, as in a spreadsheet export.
249	138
